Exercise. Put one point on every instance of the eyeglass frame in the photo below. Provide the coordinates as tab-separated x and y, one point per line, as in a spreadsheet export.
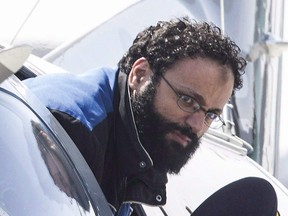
197	103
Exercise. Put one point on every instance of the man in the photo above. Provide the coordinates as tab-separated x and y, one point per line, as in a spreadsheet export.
135	124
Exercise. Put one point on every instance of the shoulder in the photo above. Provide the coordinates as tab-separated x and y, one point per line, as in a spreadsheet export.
87	97
106	76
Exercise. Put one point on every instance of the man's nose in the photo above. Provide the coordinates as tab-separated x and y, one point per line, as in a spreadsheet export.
196	121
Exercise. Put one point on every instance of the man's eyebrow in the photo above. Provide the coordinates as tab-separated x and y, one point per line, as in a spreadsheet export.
215	110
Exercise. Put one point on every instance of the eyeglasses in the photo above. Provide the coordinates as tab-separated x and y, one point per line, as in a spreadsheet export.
190	105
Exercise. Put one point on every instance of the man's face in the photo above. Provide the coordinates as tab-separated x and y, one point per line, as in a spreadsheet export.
169	134
167	155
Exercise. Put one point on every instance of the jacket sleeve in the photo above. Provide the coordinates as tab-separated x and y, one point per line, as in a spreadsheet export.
85	140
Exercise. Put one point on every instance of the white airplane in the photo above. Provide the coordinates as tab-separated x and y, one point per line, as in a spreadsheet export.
249	145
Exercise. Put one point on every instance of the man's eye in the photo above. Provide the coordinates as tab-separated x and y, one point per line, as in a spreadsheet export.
212	116
187	100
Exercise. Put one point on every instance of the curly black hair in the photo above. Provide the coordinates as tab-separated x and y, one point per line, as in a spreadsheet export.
162	45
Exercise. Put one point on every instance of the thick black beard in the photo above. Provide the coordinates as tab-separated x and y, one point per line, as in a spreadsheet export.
167	156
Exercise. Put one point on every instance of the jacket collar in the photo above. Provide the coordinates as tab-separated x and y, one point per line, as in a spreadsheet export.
134	160
133	154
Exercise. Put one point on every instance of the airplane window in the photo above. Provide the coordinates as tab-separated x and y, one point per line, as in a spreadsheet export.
24	73
36	176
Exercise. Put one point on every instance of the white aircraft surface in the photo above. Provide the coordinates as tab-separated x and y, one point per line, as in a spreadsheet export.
250	144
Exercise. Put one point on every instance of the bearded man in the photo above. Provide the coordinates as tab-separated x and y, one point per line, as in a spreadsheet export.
136	123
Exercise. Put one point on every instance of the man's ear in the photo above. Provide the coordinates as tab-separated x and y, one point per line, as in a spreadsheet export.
139	74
